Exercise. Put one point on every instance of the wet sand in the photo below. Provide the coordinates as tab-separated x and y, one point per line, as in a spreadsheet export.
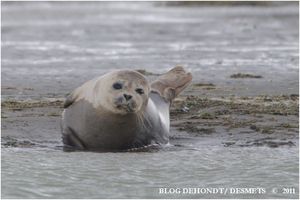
237	121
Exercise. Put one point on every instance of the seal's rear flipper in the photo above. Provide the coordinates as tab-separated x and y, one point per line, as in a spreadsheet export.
170	84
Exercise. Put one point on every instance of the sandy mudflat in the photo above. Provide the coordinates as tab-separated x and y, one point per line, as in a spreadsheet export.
237	121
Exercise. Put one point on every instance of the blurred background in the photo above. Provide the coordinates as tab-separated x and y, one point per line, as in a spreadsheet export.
54	47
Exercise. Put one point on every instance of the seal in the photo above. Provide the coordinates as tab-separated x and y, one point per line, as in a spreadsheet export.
121	110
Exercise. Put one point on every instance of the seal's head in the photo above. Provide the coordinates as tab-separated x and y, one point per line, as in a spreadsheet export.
123	92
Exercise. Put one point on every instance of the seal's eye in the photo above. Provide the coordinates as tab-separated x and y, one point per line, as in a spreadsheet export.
140	91
117	86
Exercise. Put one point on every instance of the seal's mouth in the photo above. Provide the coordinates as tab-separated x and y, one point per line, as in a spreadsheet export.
126	107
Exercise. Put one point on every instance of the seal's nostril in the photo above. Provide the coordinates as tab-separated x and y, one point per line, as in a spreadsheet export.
127	97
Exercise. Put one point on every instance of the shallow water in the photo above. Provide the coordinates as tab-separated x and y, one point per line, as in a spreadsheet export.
48	173
54	47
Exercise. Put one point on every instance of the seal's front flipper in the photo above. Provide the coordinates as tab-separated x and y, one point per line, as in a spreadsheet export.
71	138
170	84
69	101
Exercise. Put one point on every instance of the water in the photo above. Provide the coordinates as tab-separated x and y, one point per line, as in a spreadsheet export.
46	173
53	47
65	44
